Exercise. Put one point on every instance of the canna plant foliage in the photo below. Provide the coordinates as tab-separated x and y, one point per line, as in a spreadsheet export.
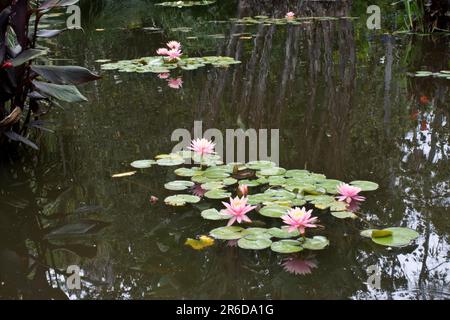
29	88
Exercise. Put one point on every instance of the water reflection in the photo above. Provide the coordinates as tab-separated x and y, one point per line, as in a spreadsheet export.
345	107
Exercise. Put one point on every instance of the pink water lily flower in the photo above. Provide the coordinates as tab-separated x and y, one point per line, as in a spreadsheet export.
243	190
349	193
202	146
174	54
175	83
299	219
290	15
237	209
162	51
174	45
299	266
164	75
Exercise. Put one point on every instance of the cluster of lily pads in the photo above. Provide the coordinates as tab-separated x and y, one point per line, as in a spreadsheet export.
273	190
444	74
183	4
157	64
266	20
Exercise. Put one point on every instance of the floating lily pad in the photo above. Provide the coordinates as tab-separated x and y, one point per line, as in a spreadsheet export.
142	164
365	185
262	164
258	244
227	233
400	236
273	211
214	214
229	181
283	233
182	4
344	214
213	185
249	183
186	172
286	246
181	200
178	185
217	194
169	159
273	171
316	243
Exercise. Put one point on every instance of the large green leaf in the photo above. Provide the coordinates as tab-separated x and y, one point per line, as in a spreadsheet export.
258	244
180	200
65	74
27	55
214	214
400	237
178	185
286	246
316	243
283	233
227	233
217	194
273	211
66	93
365	185
142	164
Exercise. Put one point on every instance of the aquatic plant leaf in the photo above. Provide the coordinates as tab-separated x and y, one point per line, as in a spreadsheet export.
217	194
227	233
213	185
27	55
273	171
258	244
283	233
170	161
65	74
261	164
186	172
381	233
178	185
286	246
214	214
365	185
344	214
400	236
229	181
67	93
316	243
142	164
200	244
19	138
76	229
182	4
297	173
273	211
249	183
180	200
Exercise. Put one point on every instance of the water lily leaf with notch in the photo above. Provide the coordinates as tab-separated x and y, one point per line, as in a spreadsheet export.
213	185
286	246
214	214
227	233
261	164
178	185
180	200
188	172
273	171
365	185
217	194
259	244
142	164
273	211
66	93
316	243
400	237
283	233
344	214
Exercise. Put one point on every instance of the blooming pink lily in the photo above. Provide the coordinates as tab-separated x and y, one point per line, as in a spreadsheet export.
164	75
175	83
202	146
299	219
349	193
237	209
174	45
290	15
174	54
162	51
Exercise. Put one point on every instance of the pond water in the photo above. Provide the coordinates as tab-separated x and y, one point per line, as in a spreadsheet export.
345	106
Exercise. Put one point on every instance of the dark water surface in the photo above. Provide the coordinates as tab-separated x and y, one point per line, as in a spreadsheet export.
345	107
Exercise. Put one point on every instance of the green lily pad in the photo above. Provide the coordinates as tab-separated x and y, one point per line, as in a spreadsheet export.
169	159
400	237
274	211
273	171
249	183
142	164
186	172
178	185
365	185
213	185
344	214
258	244
296	173
283	233
316	243
262	164
214	214
286	246
229	181
227	233
217	194
180	200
